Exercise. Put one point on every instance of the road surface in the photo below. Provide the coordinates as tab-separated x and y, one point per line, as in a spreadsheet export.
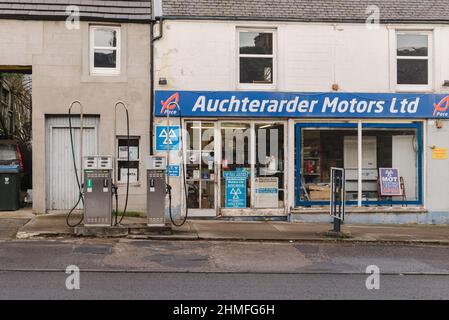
127	269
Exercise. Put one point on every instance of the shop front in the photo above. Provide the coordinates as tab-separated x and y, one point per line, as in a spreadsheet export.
269	153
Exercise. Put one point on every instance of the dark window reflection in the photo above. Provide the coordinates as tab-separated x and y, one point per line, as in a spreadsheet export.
412	71
105	59
256	70
412	45
256	43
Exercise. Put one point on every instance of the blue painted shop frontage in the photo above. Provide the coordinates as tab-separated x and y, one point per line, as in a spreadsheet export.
269	154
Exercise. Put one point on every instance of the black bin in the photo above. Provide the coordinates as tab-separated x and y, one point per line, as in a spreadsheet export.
9	188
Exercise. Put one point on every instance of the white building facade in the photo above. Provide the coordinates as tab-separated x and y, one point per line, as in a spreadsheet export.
363	97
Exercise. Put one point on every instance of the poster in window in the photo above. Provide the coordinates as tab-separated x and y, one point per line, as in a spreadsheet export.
132	175
390	182
266	192
133	153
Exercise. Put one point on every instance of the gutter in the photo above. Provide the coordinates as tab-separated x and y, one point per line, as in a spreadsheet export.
153	39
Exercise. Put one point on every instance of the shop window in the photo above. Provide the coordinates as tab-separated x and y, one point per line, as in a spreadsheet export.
269	166
321	149
413	59
256	57
388	148
384	146
104	50
122	159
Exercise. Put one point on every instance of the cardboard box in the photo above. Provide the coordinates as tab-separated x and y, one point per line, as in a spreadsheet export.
320	195
318	187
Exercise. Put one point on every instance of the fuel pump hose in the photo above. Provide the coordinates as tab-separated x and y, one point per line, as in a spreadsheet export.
80	187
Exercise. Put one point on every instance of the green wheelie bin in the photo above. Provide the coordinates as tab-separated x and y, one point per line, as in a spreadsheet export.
9	188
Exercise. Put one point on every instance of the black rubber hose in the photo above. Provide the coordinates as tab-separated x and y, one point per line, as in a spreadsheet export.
80	192
116	203
128	165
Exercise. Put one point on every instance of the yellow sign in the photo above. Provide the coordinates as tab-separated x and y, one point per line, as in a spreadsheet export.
439	153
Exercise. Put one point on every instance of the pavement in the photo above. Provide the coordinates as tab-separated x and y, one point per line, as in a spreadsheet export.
23	224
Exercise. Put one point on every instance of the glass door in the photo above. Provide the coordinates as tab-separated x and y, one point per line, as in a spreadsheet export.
252	167
235	165
200	160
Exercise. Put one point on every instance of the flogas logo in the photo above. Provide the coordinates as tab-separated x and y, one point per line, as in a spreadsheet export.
440	109
171	105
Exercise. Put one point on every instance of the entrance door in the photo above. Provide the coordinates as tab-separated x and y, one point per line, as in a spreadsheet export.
252	168
201	168
236	168
62	189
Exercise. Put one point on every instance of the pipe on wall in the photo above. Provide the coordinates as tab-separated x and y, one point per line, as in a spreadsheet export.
158	21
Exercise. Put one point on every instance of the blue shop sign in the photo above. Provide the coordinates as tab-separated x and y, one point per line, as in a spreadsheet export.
235	193
236	188
173	170
301	105
167	137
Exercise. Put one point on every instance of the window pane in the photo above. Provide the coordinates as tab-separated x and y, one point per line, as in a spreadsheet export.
412	71
386	148
269	166
193	194
412	45
193	139
123	149
256	43
123	171
207	194
105	38
322	149
105	59
256	70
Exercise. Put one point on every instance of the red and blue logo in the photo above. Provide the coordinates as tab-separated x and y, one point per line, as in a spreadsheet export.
440	109
171	105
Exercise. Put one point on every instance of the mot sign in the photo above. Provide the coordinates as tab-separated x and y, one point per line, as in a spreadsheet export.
390	182
337	201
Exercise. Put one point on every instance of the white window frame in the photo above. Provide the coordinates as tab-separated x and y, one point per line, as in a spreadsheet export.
258	86
414	87
92	48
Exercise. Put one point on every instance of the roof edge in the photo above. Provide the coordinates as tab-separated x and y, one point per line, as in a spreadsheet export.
330	20
64	17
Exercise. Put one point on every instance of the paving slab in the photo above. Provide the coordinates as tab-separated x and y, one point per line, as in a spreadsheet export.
50	225
409	233
23	213
10	227
230	230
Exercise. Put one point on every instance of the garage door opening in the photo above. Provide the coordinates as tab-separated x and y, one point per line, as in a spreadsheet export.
16	125
62	190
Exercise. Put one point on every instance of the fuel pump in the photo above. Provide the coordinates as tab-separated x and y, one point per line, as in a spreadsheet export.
98	191
156	190
95	181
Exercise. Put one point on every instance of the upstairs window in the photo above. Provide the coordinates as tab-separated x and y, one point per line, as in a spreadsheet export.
256	57
104	50
413	60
